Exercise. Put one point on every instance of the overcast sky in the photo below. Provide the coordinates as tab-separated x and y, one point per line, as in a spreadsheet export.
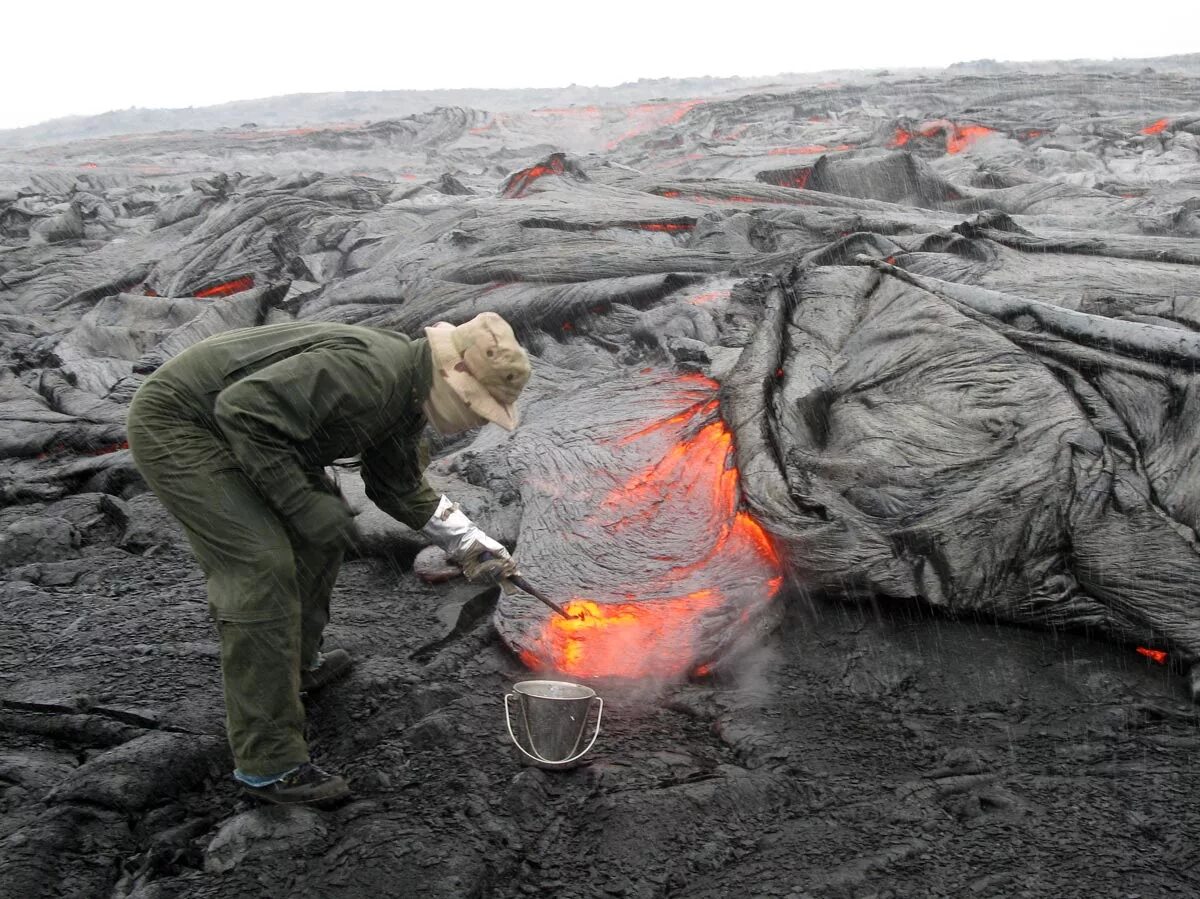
78	58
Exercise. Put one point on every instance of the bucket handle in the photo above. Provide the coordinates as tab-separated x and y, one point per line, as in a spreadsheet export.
535	755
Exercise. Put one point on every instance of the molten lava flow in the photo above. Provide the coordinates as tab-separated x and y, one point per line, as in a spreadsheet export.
710	297
800	180
961	138
796	178
519	183
688	485
958	137
653	115
1157	128
629	639
1154	655
237	285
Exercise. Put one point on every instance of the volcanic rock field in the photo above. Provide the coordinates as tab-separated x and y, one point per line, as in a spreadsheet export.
862	436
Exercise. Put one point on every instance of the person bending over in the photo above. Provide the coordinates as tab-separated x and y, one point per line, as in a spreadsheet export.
233	436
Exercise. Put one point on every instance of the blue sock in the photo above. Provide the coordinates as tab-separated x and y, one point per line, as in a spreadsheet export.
252	780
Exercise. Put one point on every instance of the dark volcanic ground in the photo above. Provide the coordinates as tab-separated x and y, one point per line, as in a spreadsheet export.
791	276
856	754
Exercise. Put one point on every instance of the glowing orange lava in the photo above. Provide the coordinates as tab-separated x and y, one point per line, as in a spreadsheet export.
796	179
1157	128
961	138
958	137
519	183
654	629
1155	655
629	639
237	285
709	297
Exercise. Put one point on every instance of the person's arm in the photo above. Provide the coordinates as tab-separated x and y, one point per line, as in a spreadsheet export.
265	416
394	474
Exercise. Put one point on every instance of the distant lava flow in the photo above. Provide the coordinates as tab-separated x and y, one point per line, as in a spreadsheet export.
958	137
648	116
706	565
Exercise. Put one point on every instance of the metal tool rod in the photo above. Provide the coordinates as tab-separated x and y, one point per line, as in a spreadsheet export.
521	583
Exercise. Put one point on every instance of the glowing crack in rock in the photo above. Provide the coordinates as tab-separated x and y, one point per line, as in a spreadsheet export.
1154	655
226	288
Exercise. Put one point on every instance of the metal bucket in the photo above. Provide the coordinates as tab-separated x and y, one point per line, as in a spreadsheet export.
552	721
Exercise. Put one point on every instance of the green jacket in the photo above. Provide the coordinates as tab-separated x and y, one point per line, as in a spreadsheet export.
291	398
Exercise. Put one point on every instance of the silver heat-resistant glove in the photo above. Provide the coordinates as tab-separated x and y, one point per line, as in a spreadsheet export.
483	560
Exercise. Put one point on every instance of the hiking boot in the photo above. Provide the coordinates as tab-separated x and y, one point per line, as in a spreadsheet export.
331	666
305	785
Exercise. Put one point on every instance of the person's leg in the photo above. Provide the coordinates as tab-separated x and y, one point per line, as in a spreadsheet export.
316	572
246	553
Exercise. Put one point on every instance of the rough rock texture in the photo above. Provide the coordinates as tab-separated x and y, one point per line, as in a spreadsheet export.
861	441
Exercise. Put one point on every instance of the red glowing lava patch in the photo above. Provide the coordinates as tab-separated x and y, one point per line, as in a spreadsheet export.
1154	655
692	565
224	289
958	137
519	183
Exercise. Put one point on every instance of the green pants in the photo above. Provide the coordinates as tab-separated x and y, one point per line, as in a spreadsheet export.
268	593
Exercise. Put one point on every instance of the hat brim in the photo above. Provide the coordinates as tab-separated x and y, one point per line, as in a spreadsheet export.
448	363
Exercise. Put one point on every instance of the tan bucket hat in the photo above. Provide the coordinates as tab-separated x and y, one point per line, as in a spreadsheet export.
483	363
